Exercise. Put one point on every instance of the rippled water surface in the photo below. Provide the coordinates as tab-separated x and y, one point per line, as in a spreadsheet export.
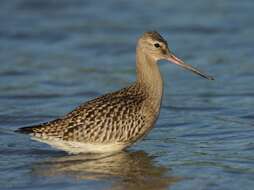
57	54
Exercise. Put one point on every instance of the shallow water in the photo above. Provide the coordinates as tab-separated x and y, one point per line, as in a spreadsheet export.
57	54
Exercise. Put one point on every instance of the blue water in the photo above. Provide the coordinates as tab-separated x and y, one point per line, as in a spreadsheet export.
57	54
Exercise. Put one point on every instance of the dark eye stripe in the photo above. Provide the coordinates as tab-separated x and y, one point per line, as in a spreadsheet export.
157	45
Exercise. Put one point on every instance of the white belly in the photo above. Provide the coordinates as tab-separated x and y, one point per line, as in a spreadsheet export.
78	147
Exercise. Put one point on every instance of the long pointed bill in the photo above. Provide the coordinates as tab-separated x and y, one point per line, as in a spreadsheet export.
172	58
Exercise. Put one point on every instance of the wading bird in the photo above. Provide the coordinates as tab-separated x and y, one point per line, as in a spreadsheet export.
116	120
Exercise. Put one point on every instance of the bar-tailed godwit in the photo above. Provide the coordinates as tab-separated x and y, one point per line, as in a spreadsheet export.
116	120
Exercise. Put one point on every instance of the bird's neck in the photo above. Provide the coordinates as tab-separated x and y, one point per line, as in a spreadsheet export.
149	78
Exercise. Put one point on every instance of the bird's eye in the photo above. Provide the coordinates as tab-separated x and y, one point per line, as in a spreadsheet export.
157	45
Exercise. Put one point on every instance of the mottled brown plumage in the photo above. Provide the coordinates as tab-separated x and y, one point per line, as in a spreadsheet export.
106	119
116	120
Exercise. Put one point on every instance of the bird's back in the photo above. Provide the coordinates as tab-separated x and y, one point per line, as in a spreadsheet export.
118	117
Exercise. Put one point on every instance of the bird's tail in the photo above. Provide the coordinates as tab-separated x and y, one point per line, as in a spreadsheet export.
30	129
26	130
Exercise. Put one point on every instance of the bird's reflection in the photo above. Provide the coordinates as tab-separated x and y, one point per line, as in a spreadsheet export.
125	170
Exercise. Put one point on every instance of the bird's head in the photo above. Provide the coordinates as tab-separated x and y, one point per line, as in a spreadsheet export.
153	45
